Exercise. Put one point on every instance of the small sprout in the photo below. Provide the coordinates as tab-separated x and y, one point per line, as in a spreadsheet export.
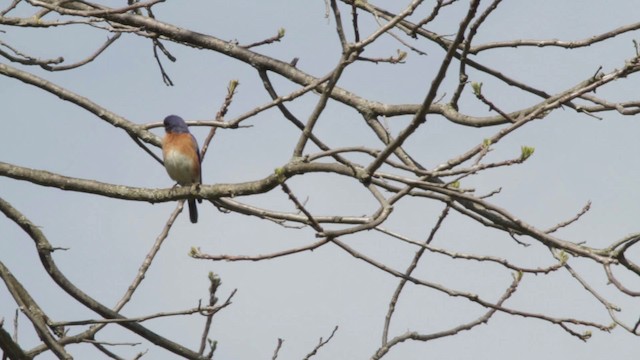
214	279
281	32
455	185
563	257
215	284
194	251
401	55
280	174
587	334
486	143
477	88
525	152
518	276
233	84
213	344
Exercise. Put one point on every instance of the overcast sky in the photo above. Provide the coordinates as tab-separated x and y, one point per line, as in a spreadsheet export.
303	297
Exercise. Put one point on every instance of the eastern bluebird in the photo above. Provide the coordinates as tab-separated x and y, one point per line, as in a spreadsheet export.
182	157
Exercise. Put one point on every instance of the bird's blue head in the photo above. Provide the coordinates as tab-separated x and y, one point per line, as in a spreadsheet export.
175	124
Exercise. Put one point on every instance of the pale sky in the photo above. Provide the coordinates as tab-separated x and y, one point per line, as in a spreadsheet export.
301	298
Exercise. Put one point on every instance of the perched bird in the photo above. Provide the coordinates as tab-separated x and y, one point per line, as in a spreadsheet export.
182	157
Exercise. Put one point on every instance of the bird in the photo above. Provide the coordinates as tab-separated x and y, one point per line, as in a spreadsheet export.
182	157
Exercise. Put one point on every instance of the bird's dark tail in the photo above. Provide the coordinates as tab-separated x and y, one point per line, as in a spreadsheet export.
193	210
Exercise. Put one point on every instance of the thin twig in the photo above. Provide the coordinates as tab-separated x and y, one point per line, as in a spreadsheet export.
384	349
197	254
158	45
277	350
316	226
420	117
43	246
321	343
566	223
214	284
275	38
12	6
408	272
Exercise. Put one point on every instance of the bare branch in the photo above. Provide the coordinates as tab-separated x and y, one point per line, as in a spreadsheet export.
562	322
345	60
276	38
9	346
321	343
277	350
43	246
479	258
420	117
196	254
215	283
209	310
566	223
316	226
407	273
12	6
33	311
387	345
558	43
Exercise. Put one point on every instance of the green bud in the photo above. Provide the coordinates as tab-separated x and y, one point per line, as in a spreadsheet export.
233	84
194	251
518	276
214	278
477	88
525	152
401	55
563	257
